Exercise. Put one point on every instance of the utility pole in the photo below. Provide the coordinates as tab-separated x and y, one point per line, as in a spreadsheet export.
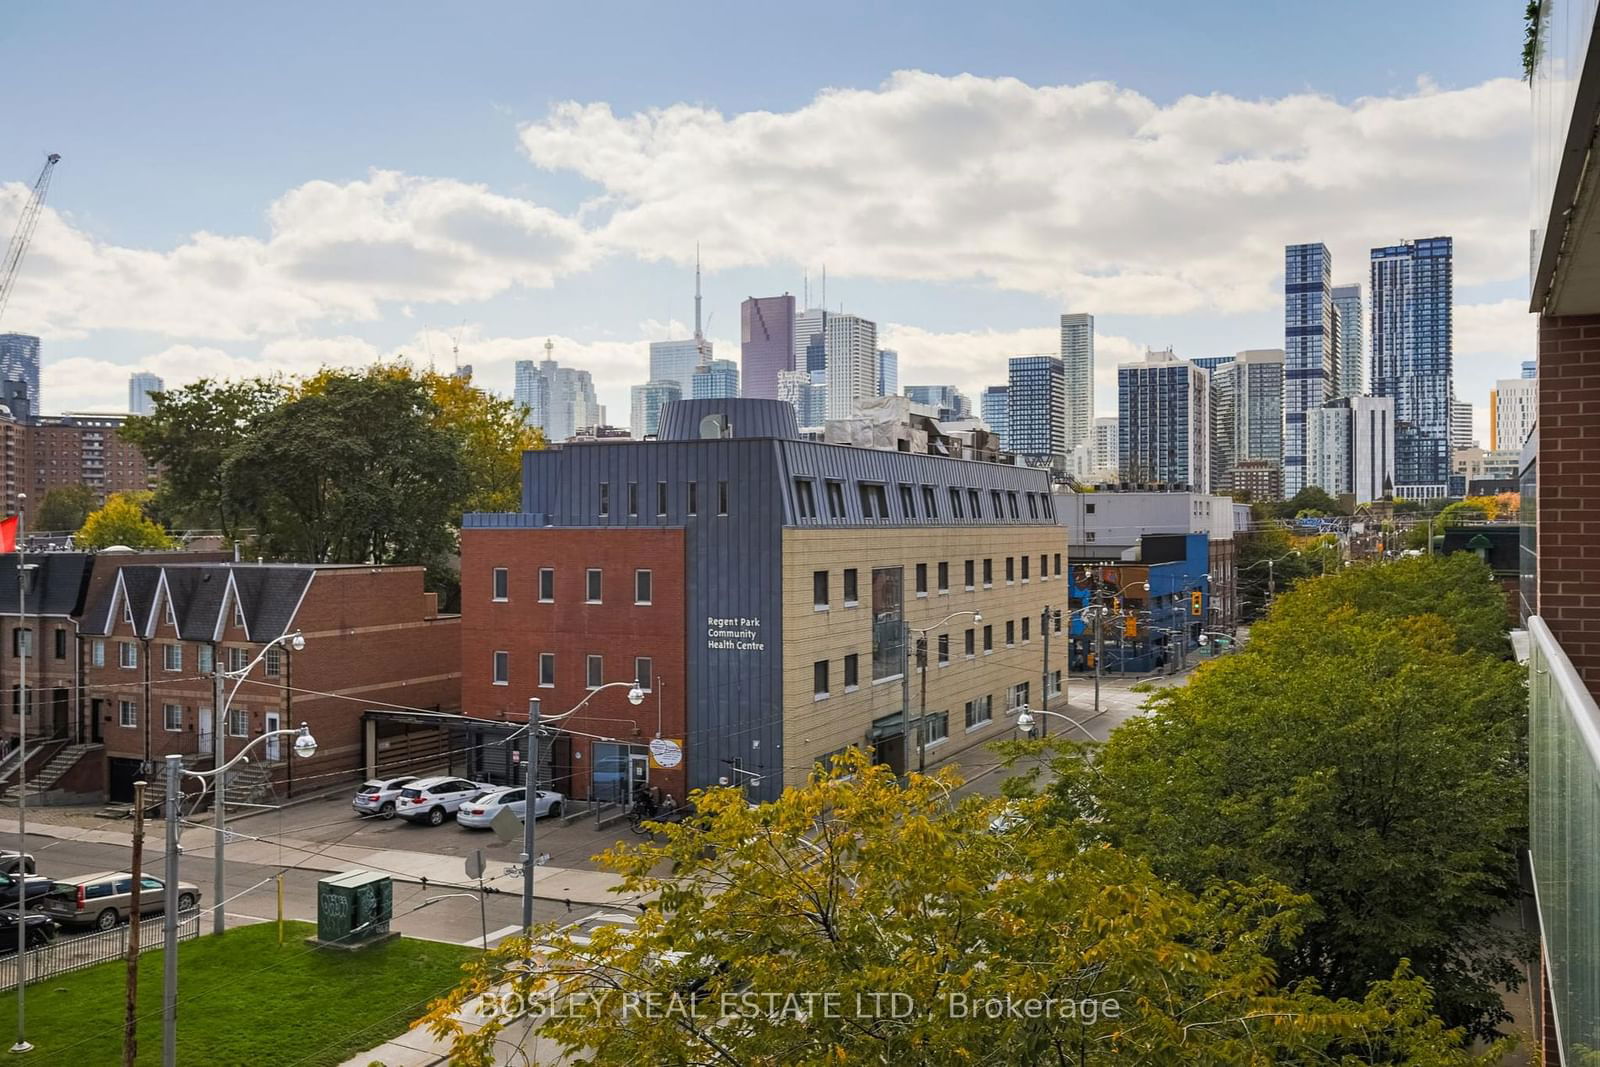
130	1012
922	703
1044	678
905	687
169	914
530	801
219	817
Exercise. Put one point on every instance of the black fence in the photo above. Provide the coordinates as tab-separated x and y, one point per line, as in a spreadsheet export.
67	954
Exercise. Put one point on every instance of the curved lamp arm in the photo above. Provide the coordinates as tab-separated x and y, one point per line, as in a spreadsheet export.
635	697
1025	721
305	746
295	640
977	616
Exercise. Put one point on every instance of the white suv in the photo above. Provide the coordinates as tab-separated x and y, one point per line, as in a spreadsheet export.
432	800
378	796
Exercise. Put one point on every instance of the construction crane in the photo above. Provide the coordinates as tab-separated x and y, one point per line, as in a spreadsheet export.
24	231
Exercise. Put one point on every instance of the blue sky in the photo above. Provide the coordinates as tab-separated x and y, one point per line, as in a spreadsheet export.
199	118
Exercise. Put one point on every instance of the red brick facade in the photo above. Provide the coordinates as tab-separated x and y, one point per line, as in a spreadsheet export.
1568	491
569	626
373	638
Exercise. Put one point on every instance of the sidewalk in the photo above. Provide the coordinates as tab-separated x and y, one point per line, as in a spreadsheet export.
558	884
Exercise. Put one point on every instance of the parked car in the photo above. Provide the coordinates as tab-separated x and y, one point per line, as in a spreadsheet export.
432	800
103	900
10	861
36	886
478	814
41	931
377	796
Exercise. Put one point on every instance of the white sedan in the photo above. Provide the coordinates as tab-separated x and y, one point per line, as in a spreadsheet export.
477	814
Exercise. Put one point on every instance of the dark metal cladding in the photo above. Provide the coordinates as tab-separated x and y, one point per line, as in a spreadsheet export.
745	417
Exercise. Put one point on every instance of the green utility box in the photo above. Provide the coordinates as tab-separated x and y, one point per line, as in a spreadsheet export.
354	909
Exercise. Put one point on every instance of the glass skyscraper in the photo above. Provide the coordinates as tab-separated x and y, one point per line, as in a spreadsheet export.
993	408
888	372
19	362
1412	295
718	378
1077	360
766	343
1349	331
1036	410
1309	351
1164	422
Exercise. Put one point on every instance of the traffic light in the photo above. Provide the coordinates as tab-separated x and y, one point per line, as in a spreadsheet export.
1196	599
1130	626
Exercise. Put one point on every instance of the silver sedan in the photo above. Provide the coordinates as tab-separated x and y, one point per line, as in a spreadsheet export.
477	814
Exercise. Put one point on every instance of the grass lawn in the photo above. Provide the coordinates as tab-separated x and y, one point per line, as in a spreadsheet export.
244	1000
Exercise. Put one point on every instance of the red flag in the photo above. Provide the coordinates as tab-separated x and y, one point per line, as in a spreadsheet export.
8	534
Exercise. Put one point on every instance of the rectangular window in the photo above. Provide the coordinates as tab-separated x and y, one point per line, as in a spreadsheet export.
661	499
888	625
547	585
1055	683
1011	570
693	507
850	597
988	574
547	670
835	499
944	650
595	671
972	504
955	503
805	498
238	659
502	668
643	587
968	571
988	639
908	503
1049	508
819	590
97	653
591	580
1011	632
1025	568
633	499
502	584
273	664
970	644
239	722
995	503
930	503
979	712
238	614
172	657
128	654
61	643
852	672
605	498
1056	620
874	501
172	716
1027	629
644	673
1016	697
944	577
1011	499
1057	567
1033	507
819	679
127	713
722	498
935	728
922	579
1044	566
21	642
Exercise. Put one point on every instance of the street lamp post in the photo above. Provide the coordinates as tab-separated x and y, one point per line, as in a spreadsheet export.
305	746
1025	720
922	669
530	797
219	733
1044	674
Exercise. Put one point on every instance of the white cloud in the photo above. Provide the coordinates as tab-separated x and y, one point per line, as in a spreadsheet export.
1090	194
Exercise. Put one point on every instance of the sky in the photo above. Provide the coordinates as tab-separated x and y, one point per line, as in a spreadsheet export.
249	189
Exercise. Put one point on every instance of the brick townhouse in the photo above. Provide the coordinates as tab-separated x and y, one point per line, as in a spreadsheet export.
373	638
49	636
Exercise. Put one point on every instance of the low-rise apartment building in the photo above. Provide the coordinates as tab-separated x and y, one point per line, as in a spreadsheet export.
761	589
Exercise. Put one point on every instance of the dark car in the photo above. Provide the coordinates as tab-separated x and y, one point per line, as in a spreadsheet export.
41	931
37	886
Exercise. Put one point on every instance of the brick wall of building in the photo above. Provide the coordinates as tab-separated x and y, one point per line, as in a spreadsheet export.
1569	487
572	629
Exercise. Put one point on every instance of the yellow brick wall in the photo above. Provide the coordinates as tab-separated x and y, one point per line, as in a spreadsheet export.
813	728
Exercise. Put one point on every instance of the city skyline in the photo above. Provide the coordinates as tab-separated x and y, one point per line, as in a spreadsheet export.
491	221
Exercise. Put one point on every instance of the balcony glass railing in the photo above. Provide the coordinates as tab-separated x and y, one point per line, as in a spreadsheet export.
1564	826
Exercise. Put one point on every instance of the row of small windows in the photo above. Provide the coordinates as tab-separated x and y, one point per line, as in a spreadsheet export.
594	670
173	717
593	585
963	503
822	581
691	498
821	670
234	659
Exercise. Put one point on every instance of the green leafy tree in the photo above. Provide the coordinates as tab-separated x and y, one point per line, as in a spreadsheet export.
356	470
122	521
851	920
190	434
66	507
1361	750
1288	566
1310	502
